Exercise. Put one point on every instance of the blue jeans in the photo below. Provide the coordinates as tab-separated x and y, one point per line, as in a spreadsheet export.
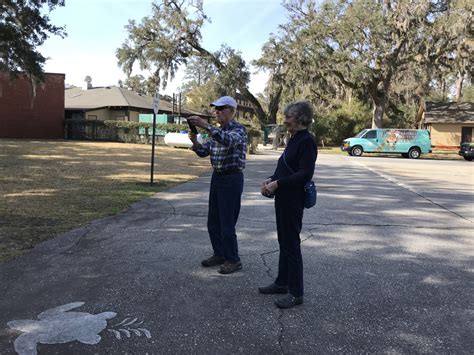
224	208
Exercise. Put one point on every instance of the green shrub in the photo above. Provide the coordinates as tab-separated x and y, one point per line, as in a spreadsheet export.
347	120
168	127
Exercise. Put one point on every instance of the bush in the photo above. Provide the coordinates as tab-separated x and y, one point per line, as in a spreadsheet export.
400	116
125	131
345	121
253	132
118	131
168	127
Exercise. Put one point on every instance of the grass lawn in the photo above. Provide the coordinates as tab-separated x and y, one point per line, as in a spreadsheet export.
49	187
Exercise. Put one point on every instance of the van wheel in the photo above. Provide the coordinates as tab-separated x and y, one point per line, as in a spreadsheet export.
405	155
468	158
414	153
356	151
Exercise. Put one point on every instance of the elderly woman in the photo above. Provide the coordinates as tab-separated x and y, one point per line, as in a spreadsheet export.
295	168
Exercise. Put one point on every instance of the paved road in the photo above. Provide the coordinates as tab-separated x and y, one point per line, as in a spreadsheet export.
388	256
449	183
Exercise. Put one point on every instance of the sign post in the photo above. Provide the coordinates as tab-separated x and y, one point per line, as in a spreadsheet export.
156	107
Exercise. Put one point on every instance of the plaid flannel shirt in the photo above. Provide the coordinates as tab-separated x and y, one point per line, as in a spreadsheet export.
227	147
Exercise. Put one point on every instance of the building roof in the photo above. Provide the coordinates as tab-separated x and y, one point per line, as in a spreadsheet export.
451	112
113	96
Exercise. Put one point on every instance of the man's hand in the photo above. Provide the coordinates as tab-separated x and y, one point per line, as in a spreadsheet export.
193	137
198	121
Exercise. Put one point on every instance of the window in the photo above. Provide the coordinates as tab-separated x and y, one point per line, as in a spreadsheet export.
466	134
371	135
361	133
92	117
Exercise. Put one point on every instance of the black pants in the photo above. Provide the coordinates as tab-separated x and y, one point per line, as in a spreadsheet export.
289	218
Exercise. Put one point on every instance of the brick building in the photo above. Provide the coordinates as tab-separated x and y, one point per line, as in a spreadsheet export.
23	115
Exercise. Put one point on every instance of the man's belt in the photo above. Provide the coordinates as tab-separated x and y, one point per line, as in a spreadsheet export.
227	172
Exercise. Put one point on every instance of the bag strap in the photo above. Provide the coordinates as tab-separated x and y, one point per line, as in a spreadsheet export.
290	169
284	160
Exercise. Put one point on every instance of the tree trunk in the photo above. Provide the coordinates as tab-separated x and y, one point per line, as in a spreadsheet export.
349	96
379	99
379	108
420	113
444	88
261	115
276	141
274	104
459	83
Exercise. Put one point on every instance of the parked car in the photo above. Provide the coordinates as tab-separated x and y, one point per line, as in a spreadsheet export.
410	143
467	151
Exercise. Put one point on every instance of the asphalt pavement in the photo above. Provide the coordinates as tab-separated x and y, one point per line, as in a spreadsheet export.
388	255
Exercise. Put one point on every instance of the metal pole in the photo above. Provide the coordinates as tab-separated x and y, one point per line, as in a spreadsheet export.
179	108
153	149
173	108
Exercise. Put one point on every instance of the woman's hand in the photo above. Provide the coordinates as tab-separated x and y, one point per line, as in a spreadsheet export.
271	187
264	184
268	187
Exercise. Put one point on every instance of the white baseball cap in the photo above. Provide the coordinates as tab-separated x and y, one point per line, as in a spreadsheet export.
225	101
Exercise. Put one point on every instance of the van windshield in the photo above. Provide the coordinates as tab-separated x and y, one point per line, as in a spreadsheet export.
360	134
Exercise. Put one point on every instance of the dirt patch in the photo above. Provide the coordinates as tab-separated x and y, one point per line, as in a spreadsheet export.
49	187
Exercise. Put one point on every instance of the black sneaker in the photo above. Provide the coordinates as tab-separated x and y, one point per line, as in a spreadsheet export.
273	288
213	261
288	301
229	268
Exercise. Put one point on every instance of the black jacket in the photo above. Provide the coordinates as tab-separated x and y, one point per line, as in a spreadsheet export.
300	154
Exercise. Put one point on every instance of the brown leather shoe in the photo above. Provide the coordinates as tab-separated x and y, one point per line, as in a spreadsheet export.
229	268
213	261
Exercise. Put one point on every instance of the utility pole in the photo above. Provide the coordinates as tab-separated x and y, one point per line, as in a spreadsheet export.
156	107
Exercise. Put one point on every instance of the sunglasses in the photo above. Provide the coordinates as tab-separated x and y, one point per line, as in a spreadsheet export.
220	108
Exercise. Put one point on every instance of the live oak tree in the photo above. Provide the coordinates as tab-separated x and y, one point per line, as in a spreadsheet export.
292	73
170	37
367	44
135	83
273	60
198	72
23	27
448	59
140	84
198	97
200	84
463	55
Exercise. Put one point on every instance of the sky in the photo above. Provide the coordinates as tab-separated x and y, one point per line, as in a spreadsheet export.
95	30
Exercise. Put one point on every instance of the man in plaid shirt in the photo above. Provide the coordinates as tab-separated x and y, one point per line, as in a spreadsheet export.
227	148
